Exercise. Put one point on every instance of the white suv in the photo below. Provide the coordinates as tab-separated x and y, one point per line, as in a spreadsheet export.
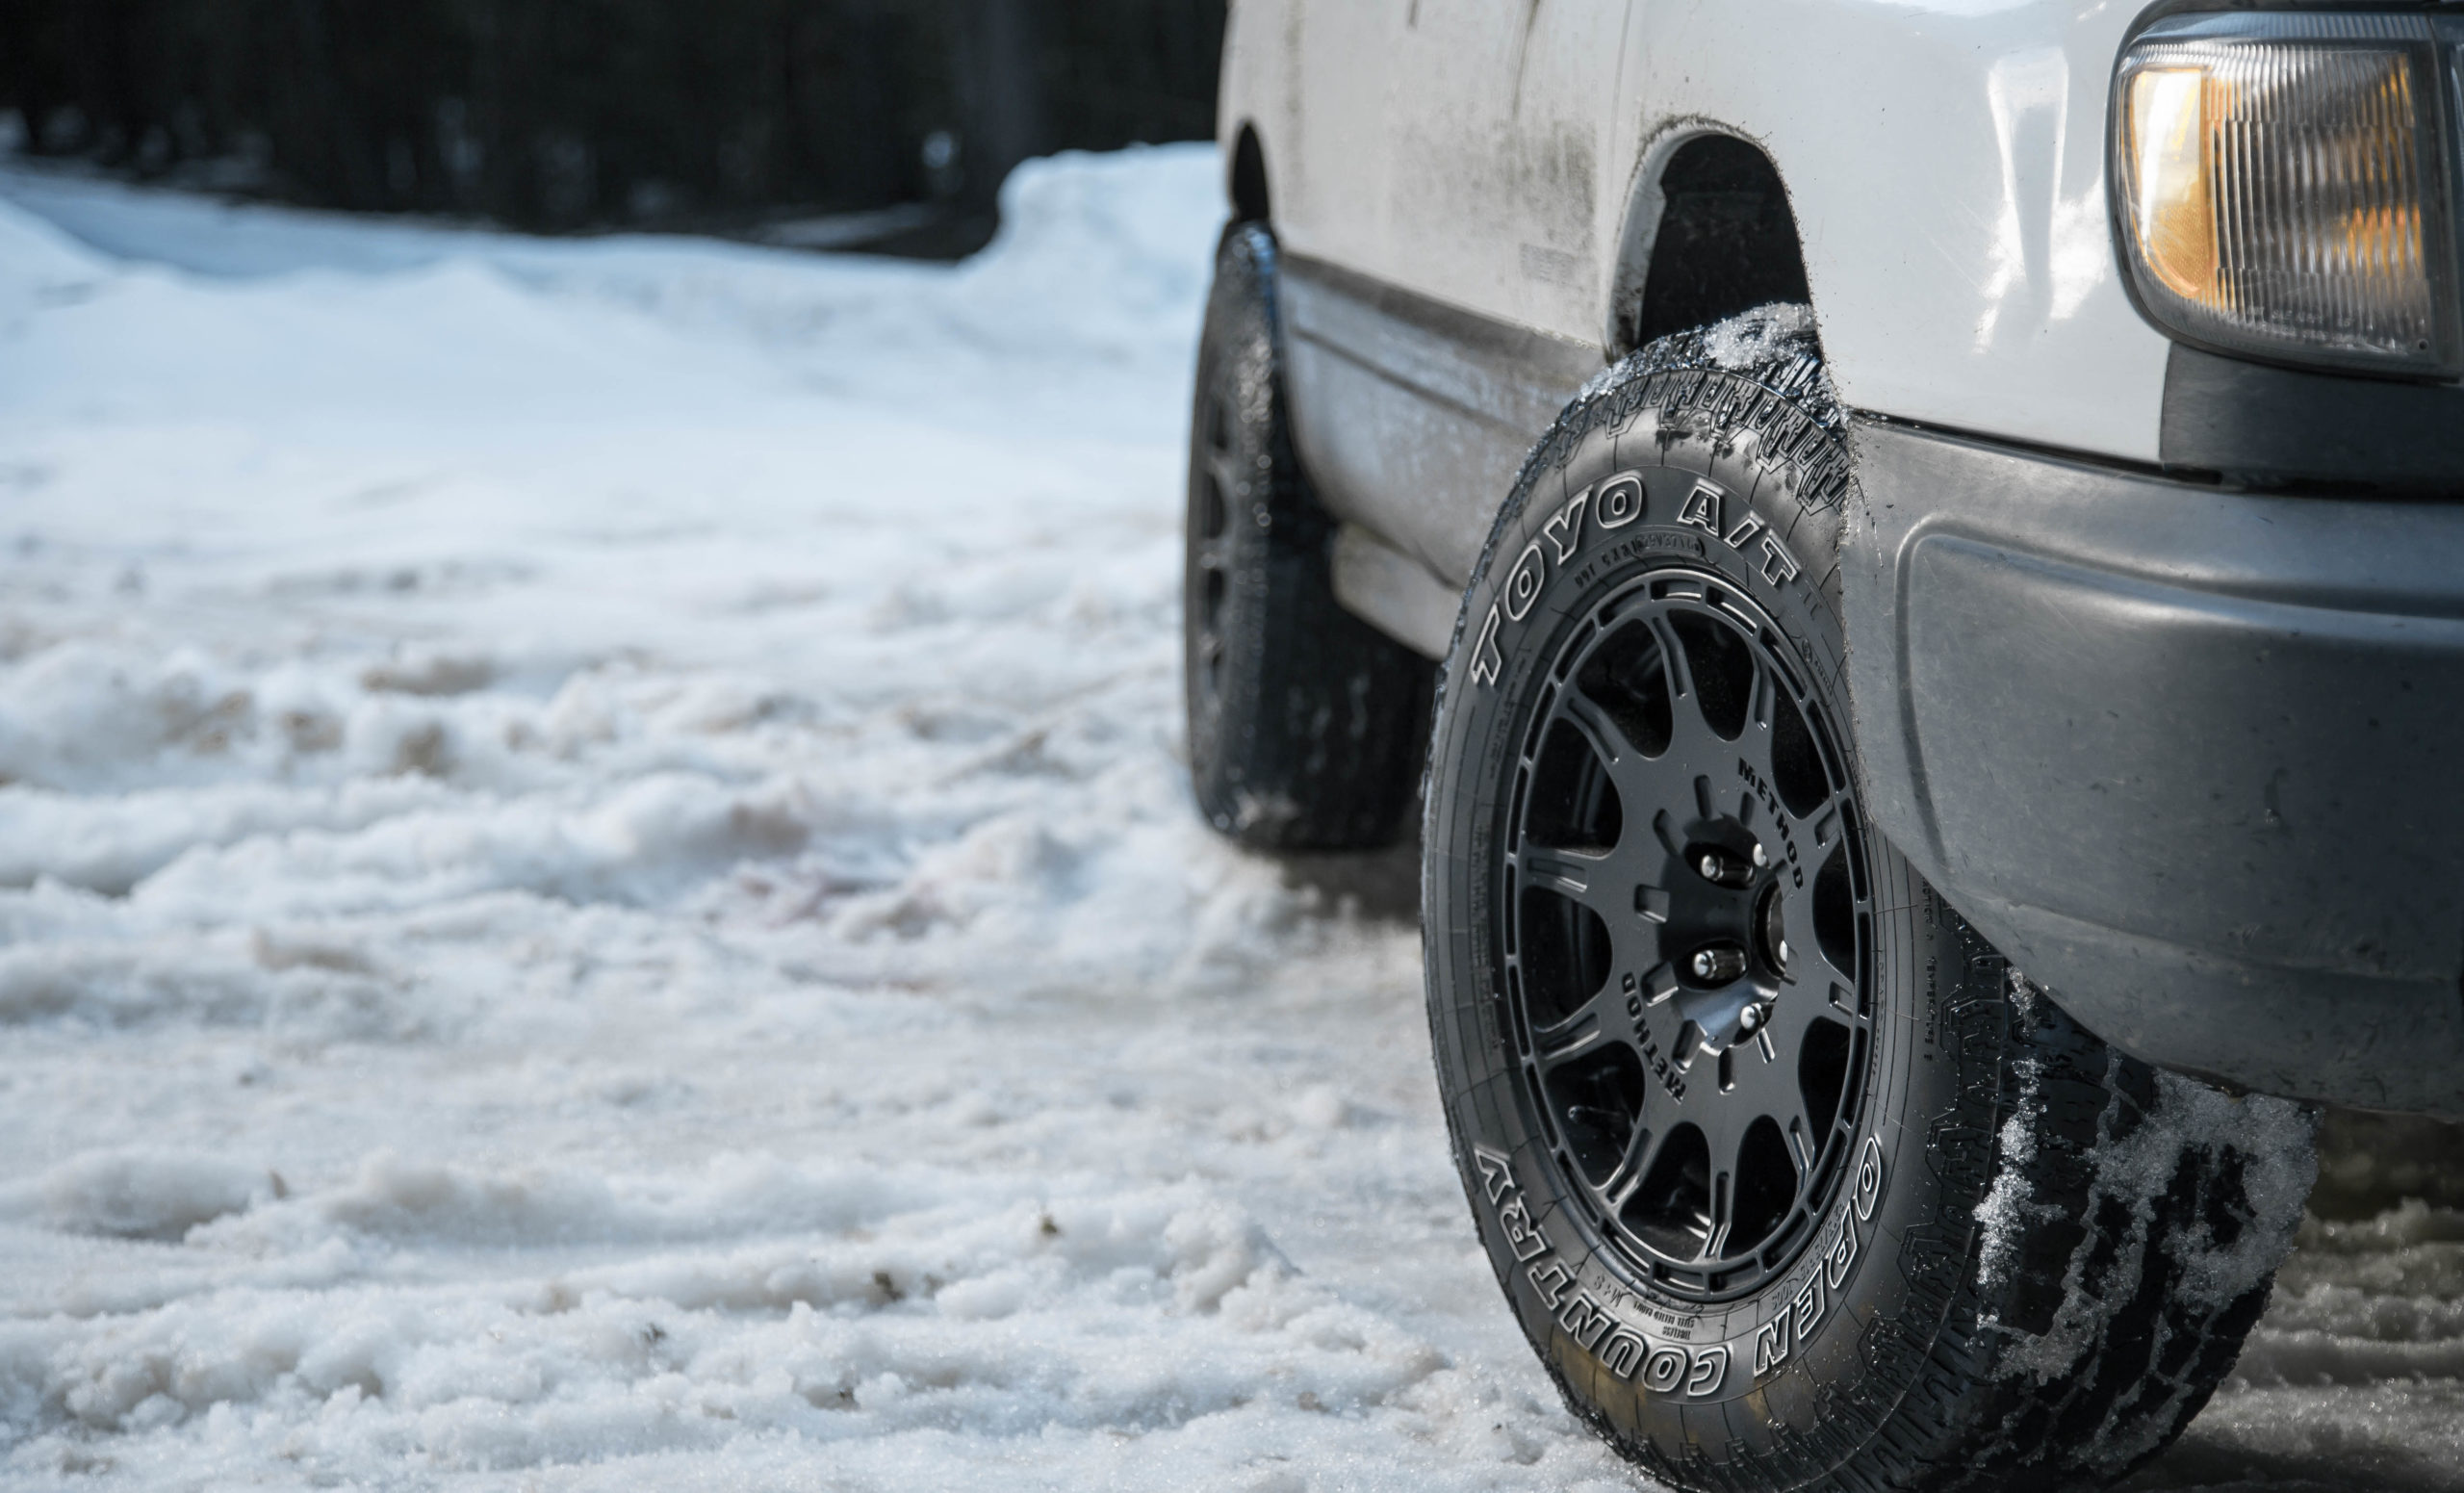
1878	497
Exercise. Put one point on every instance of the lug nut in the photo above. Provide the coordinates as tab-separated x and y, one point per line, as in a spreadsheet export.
1723	868
1772	923
1717	963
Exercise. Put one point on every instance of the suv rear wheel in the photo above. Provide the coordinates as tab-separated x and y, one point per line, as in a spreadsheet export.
1307	725
1791	1181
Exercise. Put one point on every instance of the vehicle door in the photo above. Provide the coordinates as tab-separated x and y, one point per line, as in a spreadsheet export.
1442	315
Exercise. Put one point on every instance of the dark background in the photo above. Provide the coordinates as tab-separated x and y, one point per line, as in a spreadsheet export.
571	115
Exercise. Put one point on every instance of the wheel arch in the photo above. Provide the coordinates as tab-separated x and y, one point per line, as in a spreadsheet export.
1709	232
1245	182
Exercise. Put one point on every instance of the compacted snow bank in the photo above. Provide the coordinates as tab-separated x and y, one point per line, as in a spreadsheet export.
595	891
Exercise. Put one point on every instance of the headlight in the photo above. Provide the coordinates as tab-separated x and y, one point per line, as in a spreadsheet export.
2281	182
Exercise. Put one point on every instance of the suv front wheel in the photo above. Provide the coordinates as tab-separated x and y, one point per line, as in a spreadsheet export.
1791	1181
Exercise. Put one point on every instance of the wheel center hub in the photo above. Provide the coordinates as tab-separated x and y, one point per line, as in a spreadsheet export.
1730	922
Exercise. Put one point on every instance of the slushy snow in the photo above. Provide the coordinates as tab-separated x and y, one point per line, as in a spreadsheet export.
597	890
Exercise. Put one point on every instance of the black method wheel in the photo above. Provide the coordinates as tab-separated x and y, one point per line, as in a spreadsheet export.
1684	933
1307	725
1791	1179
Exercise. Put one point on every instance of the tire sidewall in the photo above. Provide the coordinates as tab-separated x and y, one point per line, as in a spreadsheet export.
1806	1367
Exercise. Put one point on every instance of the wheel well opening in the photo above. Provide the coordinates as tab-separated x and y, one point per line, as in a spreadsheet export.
1725	241
1249	202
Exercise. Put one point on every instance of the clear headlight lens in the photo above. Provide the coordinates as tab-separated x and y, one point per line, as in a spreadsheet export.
2281	182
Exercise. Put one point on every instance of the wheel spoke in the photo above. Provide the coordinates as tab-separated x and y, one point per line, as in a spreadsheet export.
1723	1204
1664	829
1782	1029
1723	1125
1642	1149
1798	1132
1766	1085
1587	879
1678	668
1824	814
1583	1030
1691	740
1585	714
1621	875
1663	1021
1801	1005
1804	1144
1818	829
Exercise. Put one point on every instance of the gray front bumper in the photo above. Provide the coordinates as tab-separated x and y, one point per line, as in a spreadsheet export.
2193	759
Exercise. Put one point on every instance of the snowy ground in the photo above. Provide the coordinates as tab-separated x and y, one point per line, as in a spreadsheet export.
595	891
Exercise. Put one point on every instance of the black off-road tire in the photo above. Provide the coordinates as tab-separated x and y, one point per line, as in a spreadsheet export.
1975	1248
1305	724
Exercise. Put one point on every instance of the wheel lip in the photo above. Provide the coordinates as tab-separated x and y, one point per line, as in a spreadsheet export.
1581	630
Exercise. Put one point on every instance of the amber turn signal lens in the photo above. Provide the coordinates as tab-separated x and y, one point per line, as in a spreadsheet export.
2282	189
2170	208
